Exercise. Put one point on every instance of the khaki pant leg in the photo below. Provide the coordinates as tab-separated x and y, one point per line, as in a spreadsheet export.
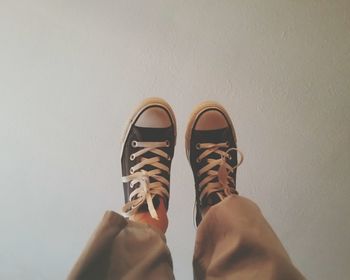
122	249
234	241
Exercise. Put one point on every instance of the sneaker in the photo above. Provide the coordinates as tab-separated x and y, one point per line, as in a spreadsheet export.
211	148
147	152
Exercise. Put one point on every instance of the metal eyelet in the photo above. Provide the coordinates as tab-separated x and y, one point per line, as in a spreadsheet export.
132	171
132	157
167	143
134	144
198	146
169	158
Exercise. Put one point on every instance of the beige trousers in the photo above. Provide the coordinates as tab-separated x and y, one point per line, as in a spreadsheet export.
234	241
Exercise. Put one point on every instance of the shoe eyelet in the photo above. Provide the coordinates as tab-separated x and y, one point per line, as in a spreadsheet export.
198	146
132	171
132	157
169	158
134	144
167	143
198	160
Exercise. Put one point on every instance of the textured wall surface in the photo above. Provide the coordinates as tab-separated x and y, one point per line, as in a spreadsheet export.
71	72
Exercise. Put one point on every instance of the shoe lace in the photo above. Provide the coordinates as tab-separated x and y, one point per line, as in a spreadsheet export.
144	189
224	184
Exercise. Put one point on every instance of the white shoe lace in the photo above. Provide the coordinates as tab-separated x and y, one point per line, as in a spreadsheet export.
223	185
140	178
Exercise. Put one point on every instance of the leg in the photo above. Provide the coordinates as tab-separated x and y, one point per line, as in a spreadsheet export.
146	218
122	249
135	248
234	241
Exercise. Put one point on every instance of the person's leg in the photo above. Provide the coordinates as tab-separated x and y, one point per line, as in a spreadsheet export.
146	218
234	241
123	249
135	248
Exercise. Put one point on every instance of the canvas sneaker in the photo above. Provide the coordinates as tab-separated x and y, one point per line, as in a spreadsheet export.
147	153
211	148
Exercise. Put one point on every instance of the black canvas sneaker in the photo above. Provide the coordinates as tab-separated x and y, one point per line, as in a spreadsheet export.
147	152
211	148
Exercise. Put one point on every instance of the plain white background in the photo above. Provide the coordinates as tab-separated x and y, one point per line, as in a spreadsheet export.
71	72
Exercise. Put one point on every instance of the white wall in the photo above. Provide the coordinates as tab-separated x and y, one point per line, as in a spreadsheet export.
72	71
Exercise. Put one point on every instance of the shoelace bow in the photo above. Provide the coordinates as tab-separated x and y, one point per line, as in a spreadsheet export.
140	178
222	185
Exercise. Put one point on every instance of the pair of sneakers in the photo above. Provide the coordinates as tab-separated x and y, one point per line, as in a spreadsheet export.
148	149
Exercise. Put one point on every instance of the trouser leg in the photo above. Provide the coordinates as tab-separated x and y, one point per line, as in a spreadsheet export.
234	241
122	249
